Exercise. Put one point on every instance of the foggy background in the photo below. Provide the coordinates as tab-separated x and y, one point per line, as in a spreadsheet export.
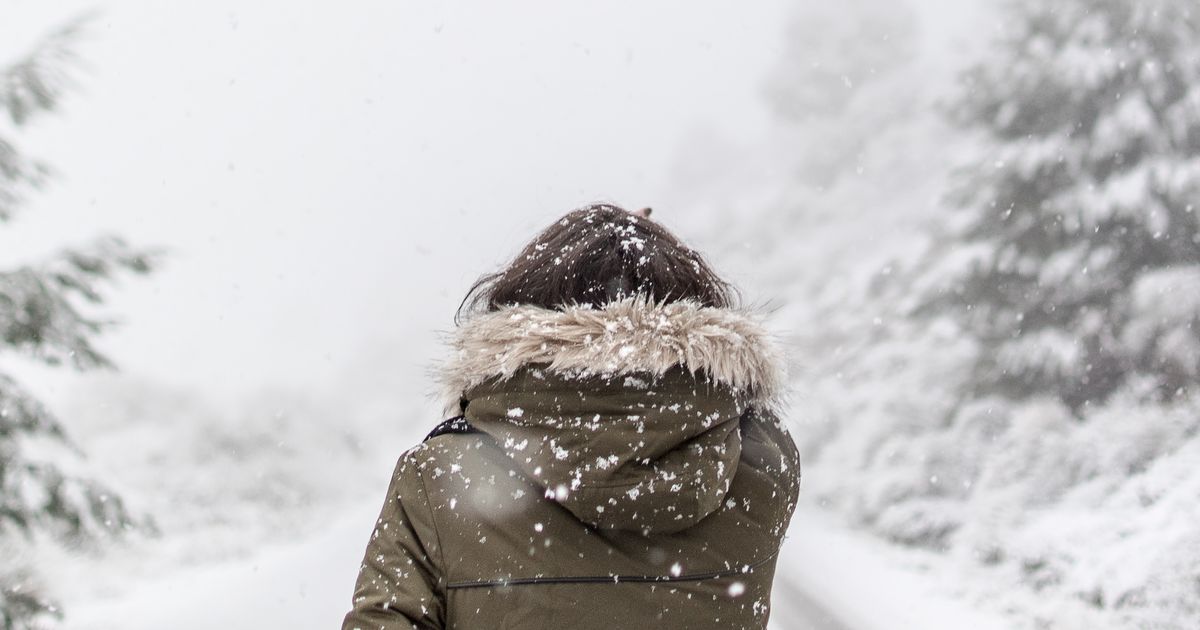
328	180
321	182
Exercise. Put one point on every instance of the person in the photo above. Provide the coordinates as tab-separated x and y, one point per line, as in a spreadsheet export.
617	458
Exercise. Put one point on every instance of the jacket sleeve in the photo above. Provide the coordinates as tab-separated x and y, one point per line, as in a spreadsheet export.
401	583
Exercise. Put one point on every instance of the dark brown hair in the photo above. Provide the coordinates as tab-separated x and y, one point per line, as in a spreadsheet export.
595	255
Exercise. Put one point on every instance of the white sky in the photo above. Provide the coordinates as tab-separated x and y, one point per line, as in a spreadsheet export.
330	177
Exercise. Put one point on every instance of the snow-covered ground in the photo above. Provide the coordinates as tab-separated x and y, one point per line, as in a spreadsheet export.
269	532
832	575
829	579
296	584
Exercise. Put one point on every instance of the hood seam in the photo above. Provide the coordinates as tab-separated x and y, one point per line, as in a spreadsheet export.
616	579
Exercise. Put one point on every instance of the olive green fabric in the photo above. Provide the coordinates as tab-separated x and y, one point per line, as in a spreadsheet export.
627	501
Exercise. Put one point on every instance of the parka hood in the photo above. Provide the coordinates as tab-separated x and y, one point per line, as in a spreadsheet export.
626	415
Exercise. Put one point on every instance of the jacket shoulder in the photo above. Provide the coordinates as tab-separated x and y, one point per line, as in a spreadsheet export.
450	447
767	444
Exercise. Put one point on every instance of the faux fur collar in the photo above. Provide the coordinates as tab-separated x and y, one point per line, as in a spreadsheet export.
634	335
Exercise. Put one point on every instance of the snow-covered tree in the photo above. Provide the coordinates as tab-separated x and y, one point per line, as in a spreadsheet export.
1077	259
46	313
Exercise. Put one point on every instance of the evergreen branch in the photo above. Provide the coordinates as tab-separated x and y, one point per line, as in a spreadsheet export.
79	270
21	413
35	83
18	175
38	81
21	607
36	495
38	311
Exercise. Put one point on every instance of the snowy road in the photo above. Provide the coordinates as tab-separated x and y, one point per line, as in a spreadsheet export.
300	585
306	586
793	609
829	578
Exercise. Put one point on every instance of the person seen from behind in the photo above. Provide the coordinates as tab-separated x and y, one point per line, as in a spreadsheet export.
616	457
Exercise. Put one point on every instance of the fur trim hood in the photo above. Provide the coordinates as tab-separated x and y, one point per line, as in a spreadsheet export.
635	335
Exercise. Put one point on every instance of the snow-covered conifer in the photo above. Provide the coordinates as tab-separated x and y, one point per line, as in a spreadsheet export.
46	312
1079	234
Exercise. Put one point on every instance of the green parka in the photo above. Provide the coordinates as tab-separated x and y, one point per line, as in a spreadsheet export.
612	468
